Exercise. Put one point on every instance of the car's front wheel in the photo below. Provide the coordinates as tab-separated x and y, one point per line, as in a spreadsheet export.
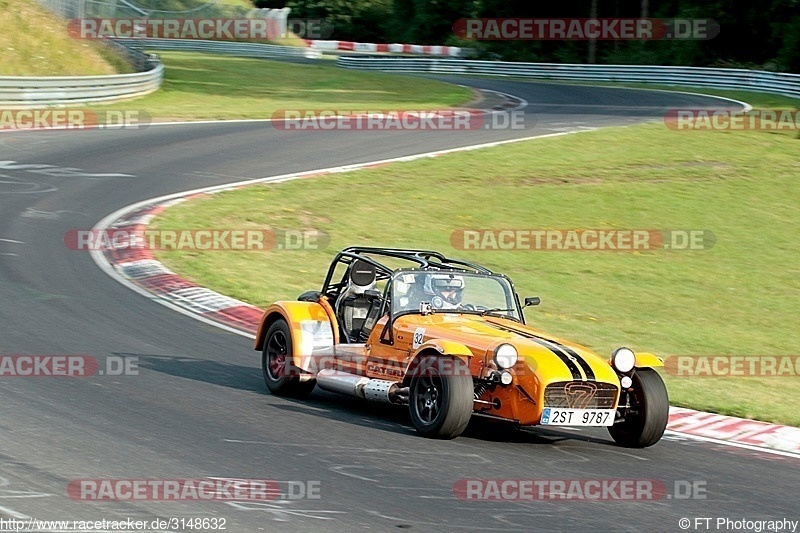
441	397
647	419
277	363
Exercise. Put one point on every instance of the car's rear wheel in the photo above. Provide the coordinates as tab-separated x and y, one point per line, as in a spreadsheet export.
441	397
277	362
645	423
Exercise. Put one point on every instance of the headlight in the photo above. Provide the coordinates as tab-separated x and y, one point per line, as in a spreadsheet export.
623	359
505	356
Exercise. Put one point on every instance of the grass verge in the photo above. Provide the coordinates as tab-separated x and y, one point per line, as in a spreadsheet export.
205	86
741	297
34	42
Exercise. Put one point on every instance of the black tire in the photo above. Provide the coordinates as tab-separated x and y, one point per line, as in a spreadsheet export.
646	425
277	362
441	397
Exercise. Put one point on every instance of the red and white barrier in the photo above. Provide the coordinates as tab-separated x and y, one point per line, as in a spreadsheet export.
414	49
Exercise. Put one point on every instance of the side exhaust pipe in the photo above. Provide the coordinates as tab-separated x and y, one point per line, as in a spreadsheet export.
376	390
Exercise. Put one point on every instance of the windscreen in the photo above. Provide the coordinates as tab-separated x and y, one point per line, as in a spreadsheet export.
453	292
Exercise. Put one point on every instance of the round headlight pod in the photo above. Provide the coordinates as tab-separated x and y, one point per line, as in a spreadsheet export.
623	360
505	356
626	382
506	378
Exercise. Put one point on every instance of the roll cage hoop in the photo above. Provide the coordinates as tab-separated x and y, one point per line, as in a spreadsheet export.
334	285
421	259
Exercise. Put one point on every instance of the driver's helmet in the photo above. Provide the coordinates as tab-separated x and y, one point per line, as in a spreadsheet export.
446	289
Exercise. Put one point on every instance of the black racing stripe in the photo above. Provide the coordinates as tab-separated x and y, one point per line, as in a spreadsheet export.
587	368
576	374
545	343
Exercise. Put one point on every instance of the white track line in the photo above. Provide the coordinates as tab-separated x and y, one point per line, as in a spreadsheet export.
548	81
746	108
101	261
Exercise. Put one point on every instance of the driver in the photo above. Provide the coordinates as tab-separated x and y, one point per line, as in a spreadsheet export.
446	290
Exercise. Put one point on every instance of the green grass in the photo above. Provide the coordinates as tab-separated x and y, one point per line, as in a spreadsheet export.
34	42
204	86
741	297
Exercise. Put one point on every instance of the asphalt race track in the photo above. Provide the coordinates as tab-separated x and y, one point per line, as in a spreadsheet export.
198	406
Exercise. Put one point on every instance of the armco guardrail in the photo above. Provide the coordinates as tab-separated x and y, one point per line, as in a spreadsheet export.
721	78
222	47
30	91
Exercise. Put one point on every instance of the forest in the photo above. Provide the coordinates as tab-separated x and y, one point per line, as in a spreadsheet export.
761	34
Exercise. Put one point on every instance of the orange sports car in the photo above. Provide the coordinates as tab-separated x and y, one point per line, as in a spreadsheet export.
448	338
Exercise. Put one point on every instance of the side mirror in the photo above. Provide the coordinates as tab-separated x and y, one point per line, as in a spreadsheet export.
532	300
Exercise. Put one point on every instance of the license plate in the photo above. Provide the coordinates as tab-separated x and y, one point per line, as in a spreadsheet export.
577	417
